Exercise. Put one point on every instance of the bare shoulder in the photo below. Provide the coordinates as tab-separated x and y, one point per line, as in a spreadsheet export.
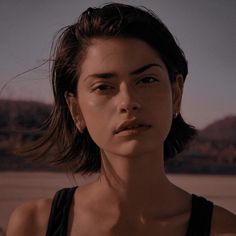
223	222
30	218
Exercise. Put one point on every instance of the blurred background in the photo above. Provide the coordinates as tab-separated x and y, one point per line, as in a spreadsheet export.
205	30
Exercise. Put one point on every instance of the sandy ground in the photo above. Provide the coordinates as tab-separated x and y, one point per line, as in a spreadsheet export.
17	188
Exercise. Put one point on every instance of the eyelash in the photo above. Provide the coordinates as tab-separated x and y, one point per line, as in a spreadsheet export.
103	85
150	77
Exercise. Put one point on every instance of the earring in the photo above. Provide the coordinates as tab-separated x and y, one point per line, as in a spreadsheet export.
175	115
80	130
80	127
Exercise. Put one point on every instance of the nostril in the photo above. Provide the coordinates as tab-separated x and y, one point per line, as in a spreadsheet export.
136	106
130	107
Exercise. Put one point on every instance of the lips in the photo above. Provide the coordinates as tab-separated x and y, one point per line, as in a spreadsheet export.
130	124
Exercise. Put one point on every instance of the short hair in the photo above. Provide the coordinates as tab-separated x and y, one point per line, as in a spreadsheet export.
111	20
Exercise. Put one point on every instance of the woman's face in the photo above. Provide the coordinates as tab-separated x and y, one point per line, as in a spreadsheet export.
120	80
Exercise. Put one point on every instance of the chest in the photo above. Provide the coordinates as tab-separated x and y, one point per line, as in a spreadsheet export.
103	227
167	231
61	224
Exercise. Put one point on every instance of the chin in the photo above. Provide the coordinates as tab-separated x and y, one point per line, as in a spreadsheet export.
133	150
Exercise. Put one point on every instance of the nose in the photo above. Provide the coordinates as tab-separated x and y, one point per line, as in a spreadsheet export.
124	108
128	101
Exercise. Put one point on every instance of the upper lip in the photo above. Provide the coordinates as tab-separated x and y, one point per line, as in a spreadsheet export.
124	125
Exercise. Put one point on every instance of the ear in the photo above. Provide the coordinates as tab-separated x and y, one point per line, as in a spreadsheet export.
76	114
177	92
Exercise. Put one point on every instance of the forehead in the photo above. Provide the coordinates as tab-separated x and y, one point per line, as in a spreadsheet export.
121	54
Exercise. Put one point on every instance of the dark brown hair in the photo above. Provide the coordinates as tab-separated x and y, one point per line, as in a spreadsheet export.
111	20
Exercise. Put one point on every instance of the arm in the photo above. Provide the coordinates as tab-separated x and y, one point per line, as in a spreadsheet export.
30	219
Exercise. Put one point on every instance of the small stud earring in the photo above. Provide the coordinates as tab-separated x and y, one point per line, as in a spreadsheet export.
81	130
80	127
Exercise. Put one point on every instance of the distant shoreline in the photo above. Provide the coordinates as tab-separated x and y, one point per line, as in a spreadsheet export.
212	152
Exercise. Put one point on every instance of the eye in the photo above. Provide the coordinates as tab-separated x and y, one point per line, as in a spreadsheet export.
148	80
102	87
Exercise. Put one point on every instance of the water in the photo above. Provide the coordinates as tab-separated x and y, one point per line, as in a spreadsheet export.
19	187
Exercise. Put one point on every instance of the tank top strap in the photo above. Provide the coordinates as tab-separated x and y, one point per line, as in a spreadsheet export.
201	217
58	219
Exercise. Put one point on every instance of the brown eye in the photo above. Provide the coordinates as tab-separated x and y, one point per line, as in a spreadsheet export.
102	87
148	80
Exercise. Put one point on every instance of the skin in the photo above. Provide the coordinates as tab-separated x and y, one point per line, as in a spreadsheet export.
132	196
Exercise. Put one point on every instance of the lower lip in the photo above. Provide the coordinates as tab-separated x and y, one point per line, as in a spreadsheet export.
135	131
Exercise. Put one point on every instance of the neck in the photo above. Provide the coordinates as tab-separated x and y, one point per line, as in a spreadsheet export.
132	182
136	189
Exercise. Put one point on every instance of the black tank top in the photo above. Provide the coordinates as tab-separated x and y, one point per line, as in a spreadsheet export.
199	223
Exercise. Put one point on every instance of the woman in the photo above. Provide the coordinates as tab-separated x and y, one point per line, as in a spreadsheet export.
118	80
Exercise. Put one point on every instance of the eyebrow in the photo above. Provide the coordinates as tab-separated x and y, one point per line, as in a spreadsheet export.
143	68
135	72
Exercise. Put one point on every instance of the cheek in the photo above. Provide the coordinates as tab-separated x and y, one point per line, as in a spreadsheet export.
97	115
90	110
93	109
161	113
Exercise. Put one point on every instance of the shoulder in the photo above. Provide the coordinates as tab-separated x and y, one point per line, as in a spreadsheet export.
223	222
30	218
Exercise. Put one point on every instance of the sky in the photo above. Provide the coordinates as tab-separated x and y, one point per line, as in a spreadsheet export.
204	29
